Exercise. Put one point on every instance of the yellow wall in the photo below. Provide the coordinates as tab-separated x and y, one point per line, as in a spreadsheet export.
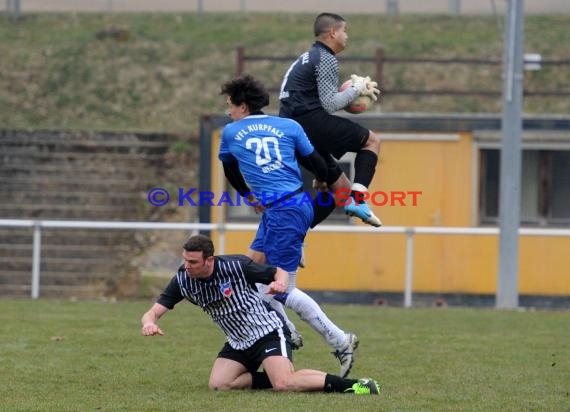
442	263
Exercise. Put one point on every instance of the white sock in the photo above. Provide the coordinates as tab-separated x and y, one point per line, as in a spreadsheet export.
310	311
358	187
275	305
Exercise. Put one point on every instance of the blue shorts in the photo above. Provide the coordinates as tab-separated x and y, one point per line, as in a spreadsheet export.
282	231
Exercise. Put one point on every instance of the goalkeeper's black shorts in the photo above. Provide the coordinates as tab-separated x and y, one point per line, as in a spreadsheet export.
332	134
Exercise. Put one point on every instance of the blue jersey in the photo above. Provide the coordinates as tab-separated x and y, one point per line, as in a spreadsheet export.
265	146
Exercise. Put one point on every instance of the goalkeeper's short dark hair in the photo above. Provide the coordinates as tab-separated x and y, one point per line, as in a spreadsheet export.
246	89
326	21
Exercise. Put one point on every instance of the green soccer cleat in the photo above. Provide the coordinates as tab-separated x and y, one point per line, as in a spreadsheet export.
365	386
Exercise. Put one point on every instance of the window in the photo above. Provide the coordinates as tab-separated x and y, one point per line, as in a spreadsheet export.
243	212
545	187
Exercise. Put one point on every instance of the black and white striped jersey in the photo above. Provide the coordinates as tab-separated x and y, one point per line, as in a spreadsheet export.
230	298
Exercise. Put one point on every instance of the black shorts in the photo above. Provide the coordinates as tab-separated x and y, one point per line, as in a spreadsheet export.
333	134
277	343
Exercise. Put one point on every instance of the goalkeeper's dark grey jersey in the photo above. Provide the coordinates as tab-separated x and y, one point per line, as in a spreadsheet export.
312	83
229	296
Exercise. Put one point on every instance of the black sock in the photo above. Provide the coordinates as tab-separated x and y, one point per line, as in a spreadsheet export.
260	380
323	206
335	383
364	167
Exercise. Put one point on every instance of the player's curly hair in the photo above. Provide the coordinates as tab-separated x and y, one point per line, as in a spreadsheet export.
246	89
200	243
325	21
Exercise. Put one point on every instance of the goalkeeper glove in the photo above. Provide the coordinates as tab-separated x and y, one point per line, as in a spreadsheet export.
372	89
359	83
365	86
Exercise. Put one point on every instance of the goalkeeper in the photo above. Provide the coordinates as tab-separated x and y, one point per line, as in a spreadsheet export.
309	94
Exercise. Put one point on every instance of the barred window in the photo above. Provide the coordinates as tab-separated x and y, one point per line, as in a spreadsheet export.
545	187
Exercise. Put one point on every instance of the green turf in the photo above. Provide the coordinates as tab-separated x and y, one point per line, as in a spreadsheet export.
89	356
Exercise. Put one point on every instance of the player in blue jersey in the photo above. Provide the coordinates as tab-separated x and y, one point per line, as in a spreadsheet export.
259	153
310	95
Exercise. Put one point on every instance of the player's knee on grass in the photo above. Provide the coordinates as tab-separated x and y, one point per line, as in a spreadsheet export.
217	384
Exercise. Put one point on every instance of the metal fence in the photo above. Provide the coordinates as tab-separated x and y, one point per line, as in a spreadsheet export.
222	228
380	60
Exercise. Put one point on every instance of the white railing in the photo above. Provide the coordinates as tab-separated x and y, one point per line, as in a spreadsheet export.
37	226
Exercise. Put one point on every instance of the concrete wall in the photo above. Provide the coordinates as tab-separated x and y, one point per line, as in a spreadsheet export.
76	176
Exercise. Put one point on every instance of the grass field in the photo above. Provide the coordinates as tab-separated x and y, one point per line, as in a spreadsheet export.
89	356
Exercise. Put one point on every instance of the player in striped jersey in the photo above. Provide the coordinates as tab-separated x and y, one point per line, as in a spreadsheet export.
224	287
